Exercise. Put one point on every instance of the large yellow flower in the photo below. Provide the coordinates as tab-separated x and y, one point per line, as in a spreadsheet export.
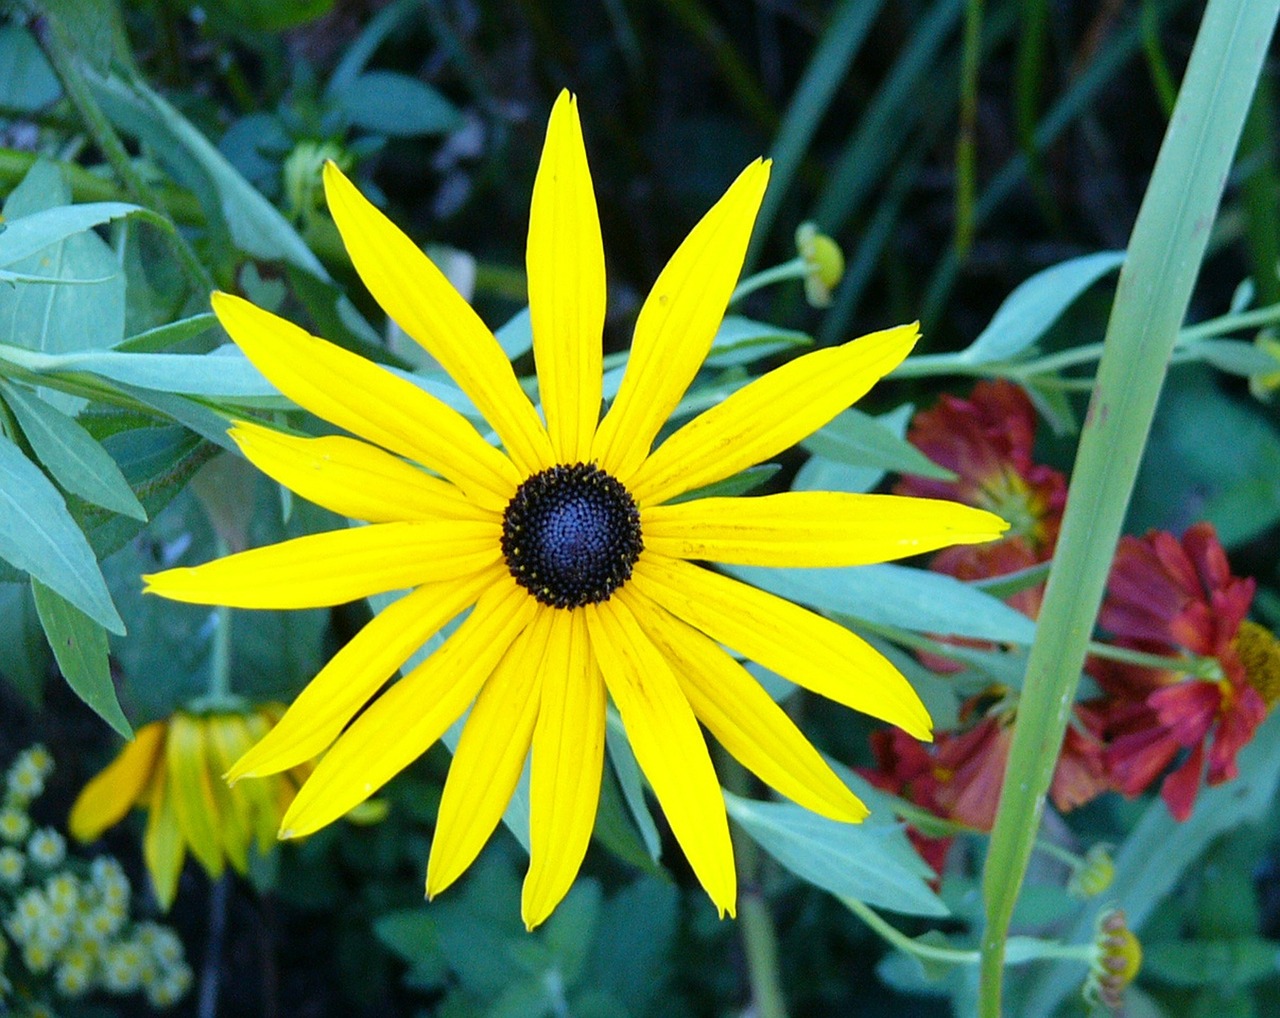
565	543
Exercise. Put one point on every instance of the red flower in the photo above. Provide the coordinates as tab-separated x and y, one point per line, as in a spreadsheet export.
1177	598
987	440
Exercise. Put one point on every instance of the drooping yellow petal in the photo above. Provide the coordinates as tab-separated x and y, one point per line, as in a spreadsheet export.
490	756
742	716
234	820
163	845
255	800
678	322
105	800
568	760
337	566
667	741
368	401
403	723
812	528
353	478
191	789
344	685
768	415
799	645
565	261
417	296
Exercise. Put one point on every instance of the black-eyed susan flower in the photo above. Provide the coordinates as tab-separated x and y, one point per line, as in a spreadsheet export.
172	769
567	544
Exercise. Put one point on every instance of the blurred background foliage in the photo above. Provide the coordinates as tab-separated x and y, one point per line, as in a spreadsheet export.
953	150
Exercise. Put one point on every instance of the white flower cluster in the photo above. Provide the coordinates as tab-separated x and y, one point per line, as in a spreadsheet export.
64	926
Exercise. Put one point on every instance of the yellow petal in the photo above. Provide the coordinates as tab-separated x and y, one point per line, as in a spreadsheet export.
105	800
338	566
256	799
163	846
234	820
191	789
489	758
368	401
768	415
344	685
568	758
403	723
677	323
812	528
352	478
806	648
746	721
417	296
667	741
565	258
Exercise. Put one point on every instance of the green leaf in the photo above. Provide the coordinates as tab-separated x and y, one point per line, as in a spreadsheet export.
80	646
25	660
31	234
860	861
1234	356
52	317
1226	963
571	929
68	452
627	770
631	955
397	105
740	341
913	599
164	336
861	440
820	473
38	535
27	82
1029	311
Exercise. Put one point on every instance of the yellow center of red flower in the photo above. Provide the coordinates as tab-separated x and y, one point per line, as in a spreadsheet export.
1259	652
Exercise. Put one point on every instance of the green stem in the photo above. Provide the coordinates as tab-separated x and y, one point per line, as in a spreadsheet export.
759	939
909	945
1164	256
219	691
797	268
63	60
966	139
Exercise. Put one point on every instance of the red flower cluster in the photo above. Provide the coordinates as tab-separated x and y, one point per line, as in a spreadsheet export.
1168	598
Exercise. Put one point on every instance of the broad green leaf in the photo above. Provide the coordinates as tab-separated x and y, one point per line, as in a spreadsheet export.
572	927
25	659
859	861
38	535
820	473
80	646
1237	961
891	595
1036	304
31	234
740	341
861	440
68	452
27	82
55	318
632	952
397	105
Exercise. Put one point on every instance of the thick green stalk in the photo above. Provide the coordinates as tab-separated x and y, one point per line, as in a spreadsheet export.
1164	255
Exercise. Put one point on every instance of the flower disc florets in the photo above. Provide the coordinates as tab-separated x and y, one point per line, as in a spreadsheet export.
571	534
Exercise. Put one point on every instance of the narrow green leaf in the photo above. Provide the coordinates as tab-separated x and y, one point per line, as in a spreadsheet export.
225	372
1164	256
740	341
627	770
68	452
1035	304
31	234
861	861
80	646
38	535
164	336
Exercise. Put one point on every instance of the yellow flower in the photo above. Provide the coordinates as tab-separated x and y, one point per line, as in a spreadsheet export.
568	544
173	770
